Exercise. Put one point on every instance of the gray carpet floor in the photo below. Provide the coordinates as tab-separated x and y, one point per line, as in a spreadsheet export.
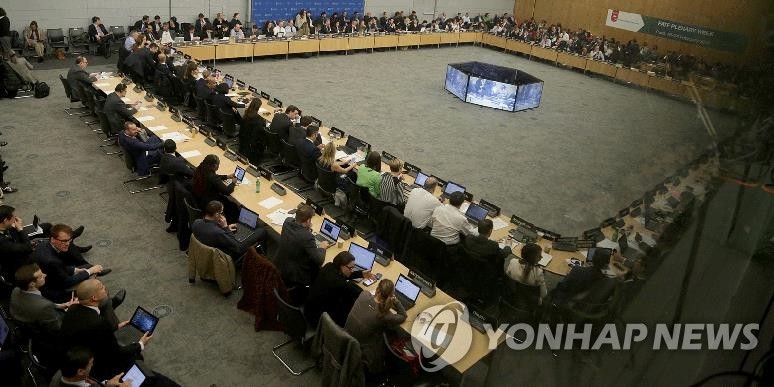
590	148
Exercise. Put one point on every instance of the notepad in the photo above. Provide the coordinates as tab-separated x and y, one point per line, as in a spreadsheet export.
499	224
232	95
126	100
175	136
545	260
189	154
102	84
340	155
143	108
270	202
155	129
145	118
263	111
278	217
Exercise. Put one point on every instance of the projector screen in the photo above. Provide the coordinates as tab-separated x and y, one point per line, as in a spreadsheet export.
456	82
486	92
528	96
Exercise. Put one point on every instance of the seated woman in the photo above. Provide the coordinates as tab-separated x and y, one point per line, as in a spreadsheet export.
371	174
328	161
526	270
207	185
251	143
369	318
35	38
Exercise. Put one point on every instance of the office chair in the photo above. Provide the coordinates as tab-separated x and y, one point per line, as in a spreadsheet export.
296	328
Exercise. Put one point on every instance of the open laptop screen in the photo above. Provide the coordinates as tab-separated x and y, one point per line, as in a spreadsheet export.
407	288
354	142
452	187
144	320
330	229
476	212
248	218
420	180
229	82
364	258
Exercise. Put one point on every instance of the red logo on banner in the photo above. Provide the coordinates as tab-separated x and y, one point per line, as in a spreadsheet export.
614	16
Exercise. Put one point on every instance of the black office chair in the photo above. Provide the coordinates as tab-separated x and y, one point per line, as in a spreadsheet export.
212	119
193	212
326	180
296	328
78	38
427	254
522	295
110	140
130	165
229	123
77	111
290	155
90	100
511	314
201	108
273	143
308	167
55	39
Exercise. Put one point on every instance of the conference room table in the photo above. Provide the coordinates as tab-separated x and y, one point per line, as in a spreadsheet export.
193	148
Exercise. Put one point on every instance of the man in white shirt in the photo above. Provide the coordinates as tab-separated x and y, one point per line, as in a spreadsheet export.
290	29
167	36
279	29
421	203
449	221
237	32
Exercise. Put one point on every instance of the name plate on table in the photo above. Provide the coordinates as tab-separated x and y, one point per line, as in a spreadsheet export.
240	84
411	169
242	158
221	143
468	196
210	141
494	211
550	235
161	106
265	95
252	89
347	231
521	222
607	222
387	156
265	173
426	284
337	131
126	81
148	97
138	88
441	182
253	170
230	155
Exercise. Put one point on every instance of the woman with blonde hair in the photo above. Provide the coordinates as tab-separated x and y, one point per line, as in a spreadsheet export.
328	160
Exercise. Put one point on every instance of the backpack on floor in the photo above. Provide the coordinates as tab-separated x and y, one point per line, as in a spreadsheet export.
41	90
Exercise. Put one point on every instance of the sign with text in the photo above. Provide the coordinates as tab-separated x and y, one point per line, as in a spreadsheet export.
700	36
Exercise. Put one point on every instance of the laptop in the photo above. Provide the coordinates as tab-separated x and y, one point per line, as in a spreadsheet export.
381	248
352	144
406	291
452	187
246	225
142	321
34	229
364	258
475	213
419	181
229	82
329	232
626	251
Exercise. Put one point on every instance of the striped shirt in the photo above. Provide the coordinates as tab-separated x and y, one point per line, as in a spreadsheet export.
391	189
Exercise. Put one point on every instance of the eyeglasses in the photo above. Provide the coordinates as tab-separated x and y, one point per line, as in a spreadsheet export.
351	267
64	240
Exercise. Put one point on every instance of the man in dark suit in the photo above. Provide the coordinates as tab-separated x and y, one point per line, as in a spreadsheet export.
205	87
140	63
171	165
84	325
30	307
483	249
332	291
99	34
144	153
189	35
141	25
15	246
282	122
298	257
162	80
78	78
64	266
214	231
223	102
582	278
116	110
201	26
306	147
297	133
77	365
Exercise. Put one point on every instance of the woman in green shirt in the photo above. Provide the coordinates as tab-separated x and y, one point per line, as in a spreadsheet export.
371	174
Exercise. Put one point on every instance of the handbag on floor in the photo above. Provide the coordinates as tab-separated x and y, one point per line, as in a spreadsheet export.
41	90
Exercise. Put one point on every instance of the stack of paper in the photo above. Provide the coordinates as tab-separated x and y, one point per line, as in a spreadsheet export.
189	154
102	84
340	155
499	223
270	202
174	136
145	118
278	217
155	129
545	260
263	111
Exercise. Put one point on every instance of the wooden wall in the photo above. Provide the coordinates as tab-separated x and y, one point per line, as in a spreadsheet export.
747	17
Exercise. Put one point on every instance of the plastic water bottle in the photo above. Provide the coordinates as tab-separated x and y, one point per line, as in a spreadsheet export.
257	185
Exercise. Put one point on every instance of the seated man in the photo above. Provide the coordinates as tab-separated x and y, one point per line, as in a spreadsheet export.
449	222
307	147
189	35
162	81
214	231
297	133
78	78
30	307
15	246
144	153
332	291
420	204
237	32
141	64
167	36
100	35
173	166
581	278
76	371
298	256
282	122
484	249
116	110
85	325
65	266
223	102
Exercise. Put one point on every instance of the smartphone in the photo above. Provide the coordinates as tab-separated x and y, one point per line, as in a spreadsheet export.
370	282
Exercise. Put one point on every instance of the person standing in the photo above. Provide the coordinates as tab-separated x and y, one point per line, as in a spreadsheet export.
5	34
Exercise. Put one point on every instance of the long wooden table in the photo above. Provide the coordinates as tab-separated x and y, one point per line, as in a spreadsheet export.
245	194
